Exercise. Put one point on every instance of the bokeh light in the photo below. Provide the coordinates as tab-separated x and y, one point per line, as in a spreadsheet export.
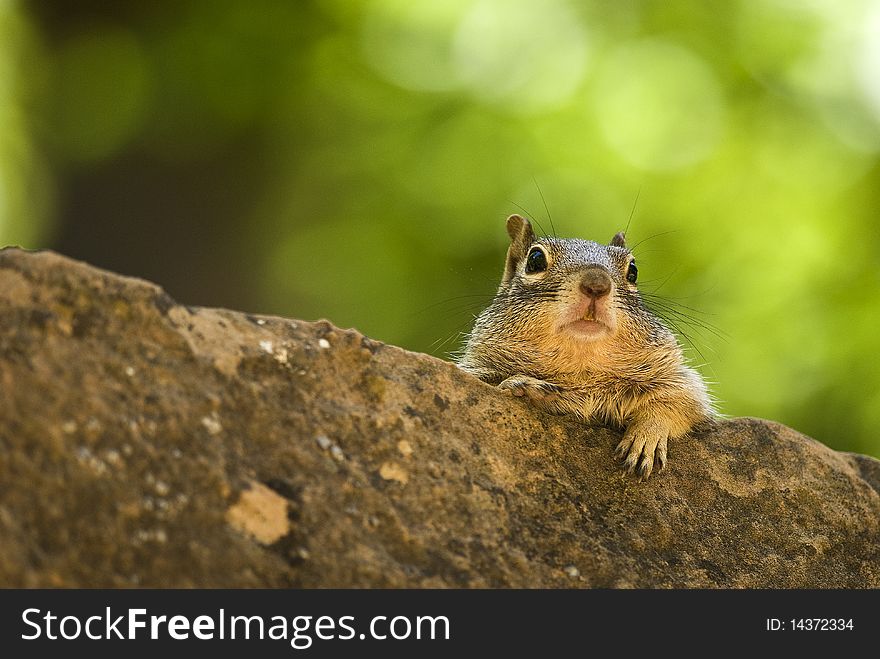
658	105
527	56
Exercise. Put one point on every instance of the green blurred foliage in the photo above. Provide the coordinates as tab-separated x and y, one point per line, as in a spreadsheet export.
356	161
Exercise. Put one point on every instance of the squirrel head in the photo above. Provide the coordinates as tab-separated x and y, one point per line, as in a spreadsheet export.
577	290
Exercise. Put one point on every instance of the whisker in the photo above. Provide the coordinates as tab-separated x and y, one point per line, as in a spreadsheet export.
666	279
671	318
672	301
656	235
440	343
632	212
666	307
546	208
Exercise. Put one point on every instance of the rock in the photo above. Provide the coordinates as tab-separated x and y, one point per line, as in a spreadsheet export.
143	443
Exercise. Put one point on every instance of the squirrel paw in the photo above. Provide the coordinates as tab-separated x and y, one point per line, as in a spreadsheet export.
642	447
538	391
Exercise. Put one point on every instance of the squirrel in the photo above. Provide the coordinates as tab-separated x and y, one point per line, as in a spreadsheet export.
569	330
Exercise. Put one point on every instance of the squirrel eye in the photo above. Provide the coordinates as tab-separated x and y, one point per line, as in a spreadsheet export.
632	272
536	261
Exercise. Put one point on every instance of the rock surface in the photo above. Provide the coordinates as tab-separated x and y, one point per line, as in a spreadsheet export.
143	443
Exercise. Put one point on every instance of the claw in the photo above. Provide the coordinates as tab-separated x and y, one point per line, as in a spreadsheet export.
661	454
643	450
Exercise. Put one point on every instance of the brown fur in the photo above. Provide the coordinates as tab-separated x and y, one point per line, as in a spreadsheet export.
633	376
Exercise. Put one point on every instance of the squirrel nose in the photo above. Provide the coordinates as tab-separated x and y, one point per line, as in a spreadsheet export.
596	283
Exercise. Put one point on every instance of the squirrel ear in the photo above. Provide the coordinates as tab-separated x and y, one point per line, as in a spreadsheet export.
619	240
520	229
522	236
